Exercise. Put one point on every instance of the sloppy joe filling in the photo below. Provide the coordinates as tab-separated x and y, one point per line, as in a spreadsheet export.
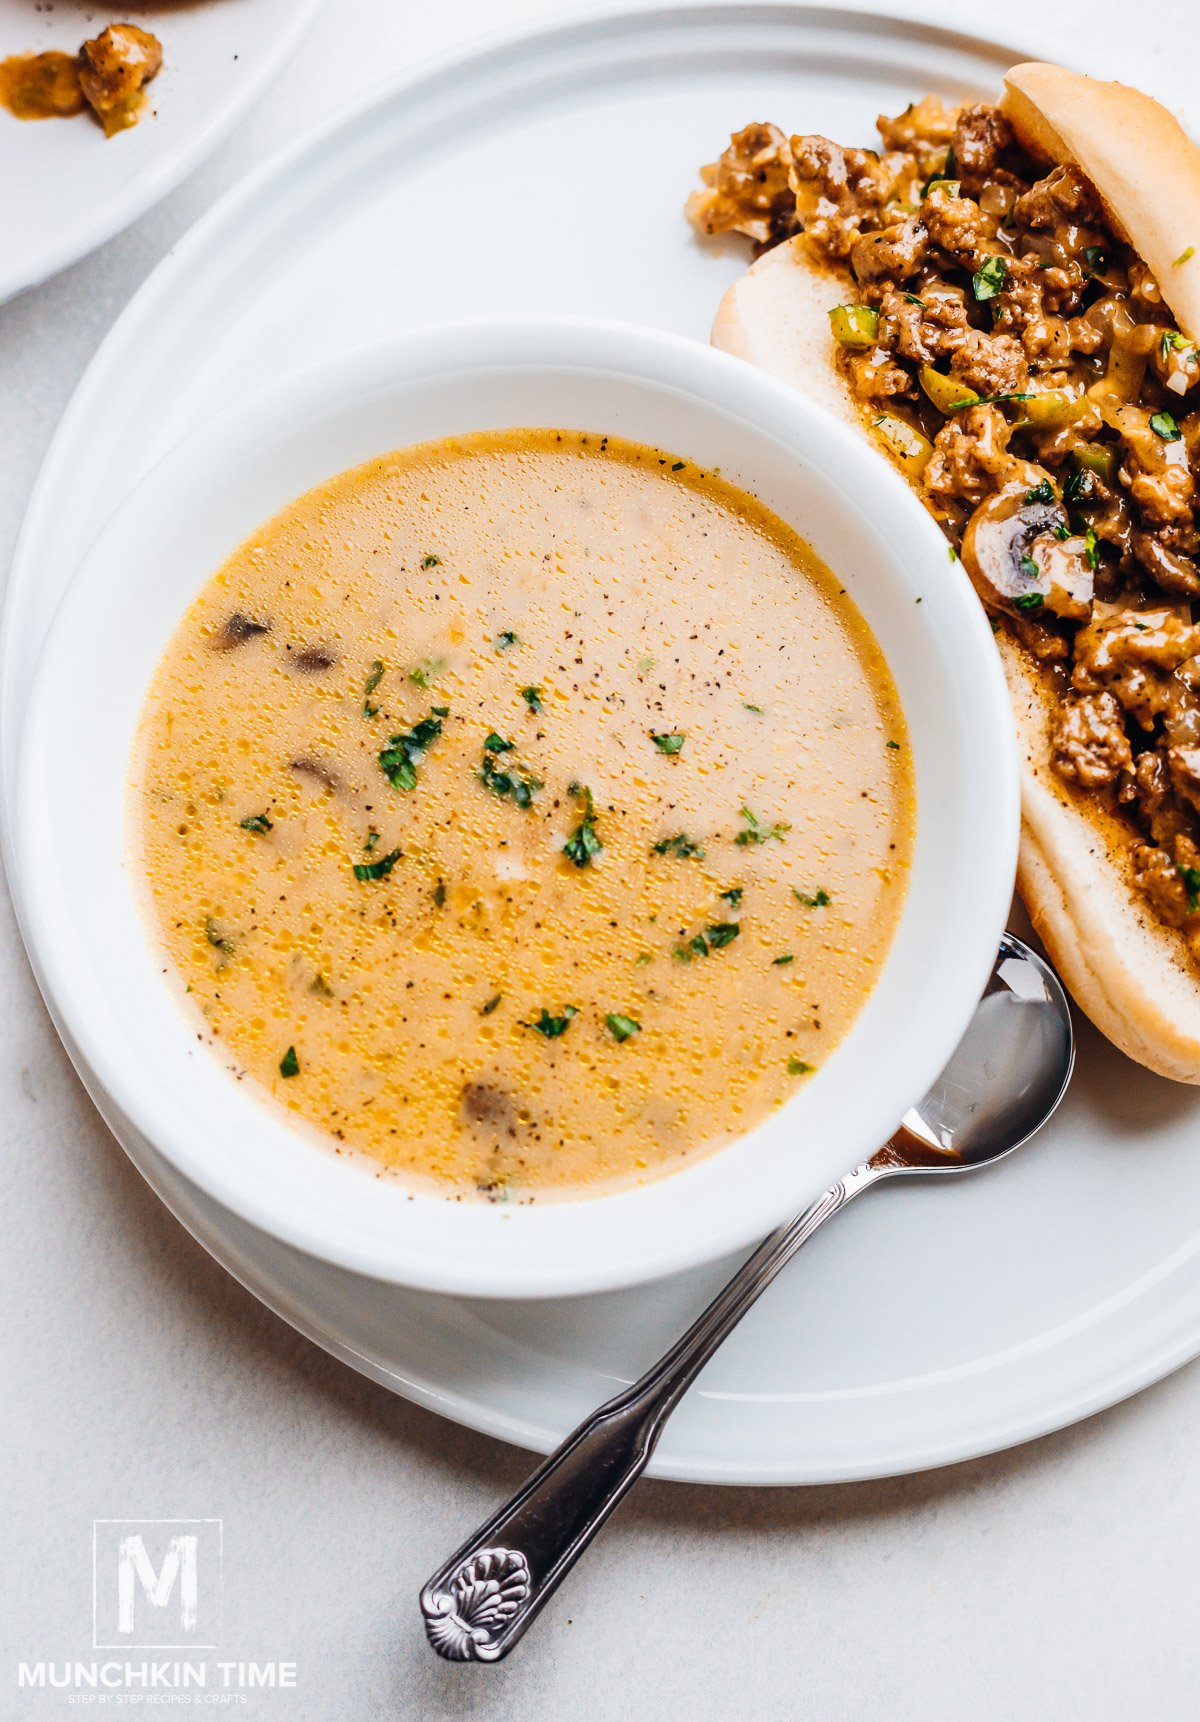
108	75
1019	363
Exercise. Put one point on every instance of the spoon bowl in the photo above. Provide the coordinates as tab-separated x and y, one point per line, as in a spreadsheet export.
1006	1078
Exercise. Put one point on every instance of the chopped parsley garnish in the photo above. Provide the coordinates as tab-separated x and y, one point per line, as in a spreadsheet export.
1184	256
217	939
1062	531
1165	426
680	846
514	781
820	898
733	896
645	665
1080	485
398	760
913	300
678	466
1043	492
721	934
642	959
989	278
1096	258
1030	567
583	844
622	1027
1091	545
895	745
289	1064
797	1067
1191	880
988	400
431	561
490	1006
757	832
1172	342
427	672
779	962
553	1026
757	710
380	869
668	743
372	840
532	698
506	639
1029	601
256	822
439	894
372	682
713	938
320	986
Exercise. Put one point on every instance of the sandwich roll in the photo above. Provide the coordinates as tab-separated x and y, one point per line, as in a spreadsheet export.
1130	962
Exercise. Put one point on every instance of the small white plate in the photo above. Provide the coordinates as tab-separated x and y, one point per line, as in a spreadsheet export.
927	1324
64	187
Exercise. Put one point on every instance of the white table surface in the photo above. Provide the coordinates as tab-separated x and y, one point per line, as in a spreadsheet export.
1059	1581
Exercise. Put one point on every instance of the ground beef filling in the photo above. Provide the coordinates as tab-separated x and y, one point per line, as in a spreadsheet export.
1021	367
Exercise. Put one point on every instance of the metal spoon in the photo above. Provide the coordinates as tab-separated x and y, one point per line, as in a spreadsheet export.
1006	1078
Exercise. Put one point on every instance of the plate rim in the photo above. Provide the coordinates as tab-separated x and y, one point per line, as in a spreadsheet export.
1110	1386
156	181
188	1206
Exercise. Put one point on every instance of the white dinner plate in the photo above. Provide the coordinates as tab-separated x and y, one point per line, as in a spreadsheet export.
929	1323
64	187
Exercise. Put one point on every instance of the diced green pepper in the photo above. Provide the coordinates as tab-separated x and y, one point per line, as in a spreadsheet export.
1099	458
1051	409
906	445
854	326
947	393
1123	379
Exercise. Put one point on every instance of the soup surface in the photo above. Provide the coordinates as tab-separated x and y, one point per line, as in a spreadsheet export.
530	810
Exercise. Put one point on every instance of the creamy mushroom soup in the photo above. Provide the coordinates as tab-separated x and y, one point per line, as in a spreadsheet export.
530	811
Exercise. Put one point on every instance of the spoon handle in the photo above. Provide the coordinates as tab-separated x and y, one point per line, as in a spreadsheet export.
480	1602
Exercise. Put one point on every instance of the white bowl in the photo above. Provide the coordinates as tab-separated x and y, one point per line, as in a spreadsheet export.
85	927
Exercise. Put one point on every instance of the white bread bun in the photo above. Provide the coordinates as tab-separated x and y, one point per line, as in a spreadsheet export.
1133	976
776	316
1136	154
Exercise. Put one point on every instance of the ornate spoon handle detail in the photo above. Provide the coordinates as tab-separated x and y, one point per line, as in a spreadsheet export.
481	1601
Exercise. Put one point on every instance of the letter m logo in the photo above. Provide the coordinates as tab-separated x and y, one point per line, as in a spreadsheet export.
156	1583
